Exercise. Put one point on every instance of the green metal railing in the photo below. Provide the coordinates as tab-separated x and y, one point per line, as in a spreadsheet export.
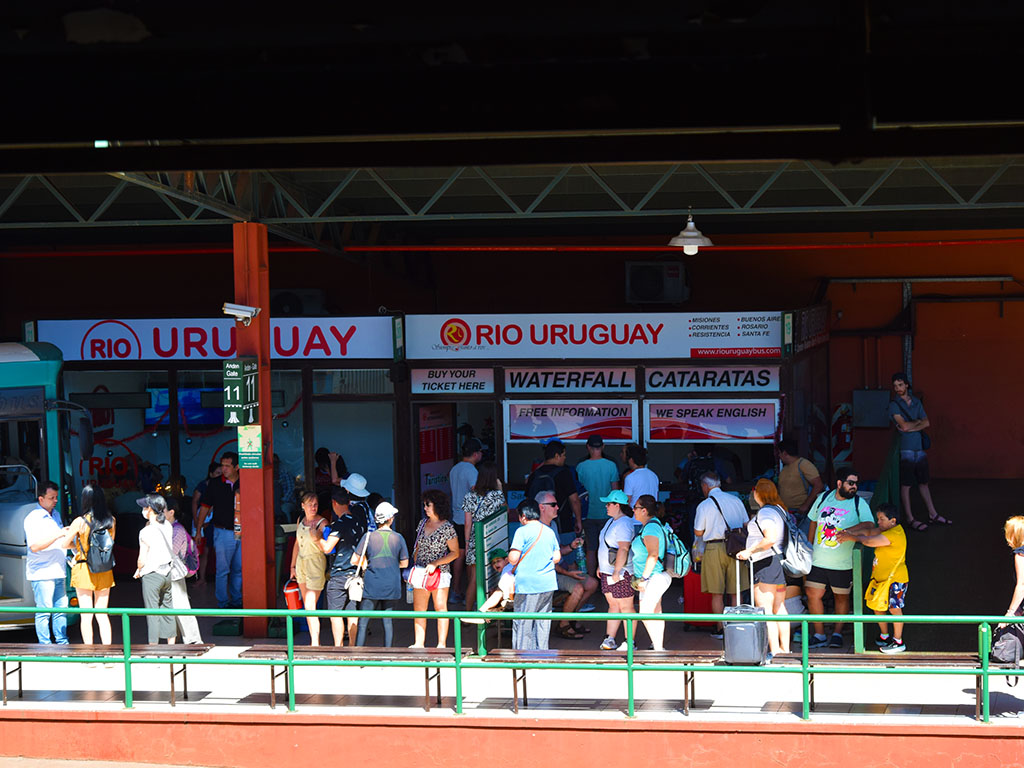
460	664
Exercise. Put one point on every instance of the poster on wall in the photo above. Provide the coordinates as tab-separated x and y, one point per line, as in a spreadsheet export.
603	337
711	421
569	421
437	441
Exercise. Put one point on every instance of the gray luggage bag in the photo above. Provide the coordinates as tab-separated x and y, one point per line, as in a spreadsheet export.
746	642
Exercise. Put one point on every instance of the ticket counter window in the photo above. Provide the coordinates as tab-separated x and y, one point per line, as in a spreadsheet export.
131	427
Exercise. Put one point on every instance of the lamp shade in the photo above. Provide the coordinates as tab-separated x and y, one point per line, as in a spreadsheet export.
690	239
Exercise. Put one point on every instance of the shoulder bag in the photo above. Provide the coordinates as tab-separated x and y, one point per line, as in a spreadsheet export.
735	538
355	583
418	576
877	595
179	570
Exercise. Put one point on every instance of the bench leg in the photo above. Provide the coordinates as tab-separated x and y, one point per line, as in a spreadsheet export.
515	692
810	684
426	688
172	683
273	684
977	698
688	695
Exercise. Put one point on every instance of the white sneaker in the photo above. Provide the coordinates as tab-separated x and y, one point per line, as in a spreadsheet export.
625	647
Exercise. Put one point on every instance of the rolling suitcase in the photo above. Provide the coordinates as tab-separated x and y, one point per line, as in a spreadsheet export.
746	642
695	601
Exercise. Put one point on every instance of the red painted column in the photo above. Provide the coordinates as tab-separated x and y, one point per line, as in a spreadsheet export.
252	288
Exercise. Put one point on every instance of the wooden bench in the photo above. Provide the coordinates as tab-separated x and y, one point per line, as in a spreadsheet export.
113	652
572	656
335	653
877	660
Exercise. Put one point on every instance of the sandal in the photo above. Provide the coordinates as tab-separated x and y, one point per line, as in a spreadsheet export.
569	633
939	520
917	525
581	627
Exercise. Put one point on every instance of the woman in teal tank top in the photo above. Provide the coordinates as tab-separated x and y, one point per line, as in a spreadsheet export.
648	550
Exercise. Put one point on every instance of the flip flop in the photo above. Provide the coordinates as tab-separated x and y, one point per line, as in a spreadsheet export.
939	520
569	633
917	525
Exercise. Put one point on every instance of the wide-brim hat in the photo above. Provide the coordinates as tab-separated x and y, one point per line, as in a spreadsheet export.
356	485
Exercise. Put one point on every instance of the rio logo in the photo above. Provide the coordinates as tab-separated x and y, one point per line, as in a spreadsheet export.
111	340
455	333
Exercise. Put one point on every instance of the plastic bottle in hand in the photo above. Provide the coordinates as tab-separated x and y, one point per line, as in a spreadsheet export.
581	554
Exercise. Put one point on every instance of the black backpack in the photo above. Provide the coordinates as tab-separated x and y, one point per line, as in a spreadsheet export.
542	479
694	469
100	557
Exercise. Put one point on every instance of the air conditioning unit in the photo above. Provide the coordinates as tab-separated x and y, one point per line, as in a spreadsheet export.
656	282
297	302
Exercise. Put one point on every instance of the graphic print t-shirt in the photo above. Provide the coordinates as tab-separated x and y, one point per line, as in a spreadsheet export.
832	516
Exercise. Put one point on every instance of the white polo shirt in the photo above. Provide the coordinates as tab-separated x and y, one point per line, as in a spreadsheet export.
49	563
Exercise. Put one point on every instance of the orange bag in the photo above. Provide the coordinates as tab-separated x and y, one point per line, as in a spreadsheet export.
292	596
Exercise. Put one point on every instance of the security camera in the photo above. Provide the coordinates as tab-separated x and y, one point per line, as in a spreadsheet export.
240	312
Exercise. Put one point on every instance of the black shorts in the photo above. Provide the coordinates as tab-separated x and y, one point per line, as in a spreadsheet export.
840	581
769	571
337	595
914	471
460	534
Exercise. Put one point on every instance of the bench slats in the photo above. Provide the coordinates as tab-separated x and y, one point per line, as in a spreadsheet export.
359	653
179	650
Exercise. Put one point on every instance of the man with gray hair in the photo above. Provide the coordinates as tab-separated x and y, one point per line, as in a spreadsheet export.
718	513
534	553
578	584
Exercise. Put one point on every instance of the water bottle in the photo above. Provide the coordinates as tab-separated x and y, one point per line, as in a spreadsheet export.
581	554
408	593
238	516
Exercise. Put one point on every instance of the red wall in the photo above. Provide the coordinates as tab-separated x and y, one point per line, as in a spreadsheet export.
445	740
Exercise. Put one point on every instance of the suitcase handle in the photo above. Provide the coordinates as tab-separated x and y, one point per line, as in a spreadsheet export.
751	563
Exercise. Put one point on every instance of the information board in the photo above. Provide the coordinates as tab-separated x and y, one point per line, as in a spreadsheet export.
241	392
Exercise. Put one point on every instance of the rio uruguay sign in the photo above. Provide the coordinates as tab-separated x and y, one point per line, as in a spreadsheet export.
583	336
214	339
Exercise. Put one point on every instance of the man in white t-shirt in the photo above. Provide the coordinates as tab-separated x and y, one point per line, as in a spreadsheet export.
718	513
462	478
45	563
640	480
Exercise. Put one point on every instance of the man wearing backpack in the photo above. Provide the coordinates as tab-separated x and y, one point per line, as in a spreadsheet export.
554	476
832	557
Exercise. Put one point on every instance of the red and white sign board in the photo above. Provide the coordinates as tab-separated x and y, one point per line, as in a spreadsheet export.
299	338
581	336
719	378
570	379
711	421
449	381
570	422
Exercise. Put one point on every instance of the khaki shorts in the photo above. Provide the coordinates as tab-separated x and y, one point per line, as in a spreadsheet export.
718	571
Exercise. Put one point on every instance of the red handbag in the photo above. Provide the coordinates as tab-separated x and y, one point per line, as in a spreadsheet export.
292	596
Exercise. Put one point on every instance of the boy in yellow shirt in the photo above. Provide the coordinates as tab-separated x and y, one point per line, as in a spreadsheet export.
889	568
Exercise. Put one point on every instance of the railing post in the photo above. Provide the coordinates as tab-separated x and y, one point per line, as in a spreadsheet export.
481	587
857	597
985	641
458	662
289	633
631	704
126	642
805	675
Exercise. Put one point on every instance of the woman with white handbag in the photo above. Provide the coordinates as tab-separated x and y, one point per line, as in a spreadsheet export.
183	547
383	554
437	545
154	566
